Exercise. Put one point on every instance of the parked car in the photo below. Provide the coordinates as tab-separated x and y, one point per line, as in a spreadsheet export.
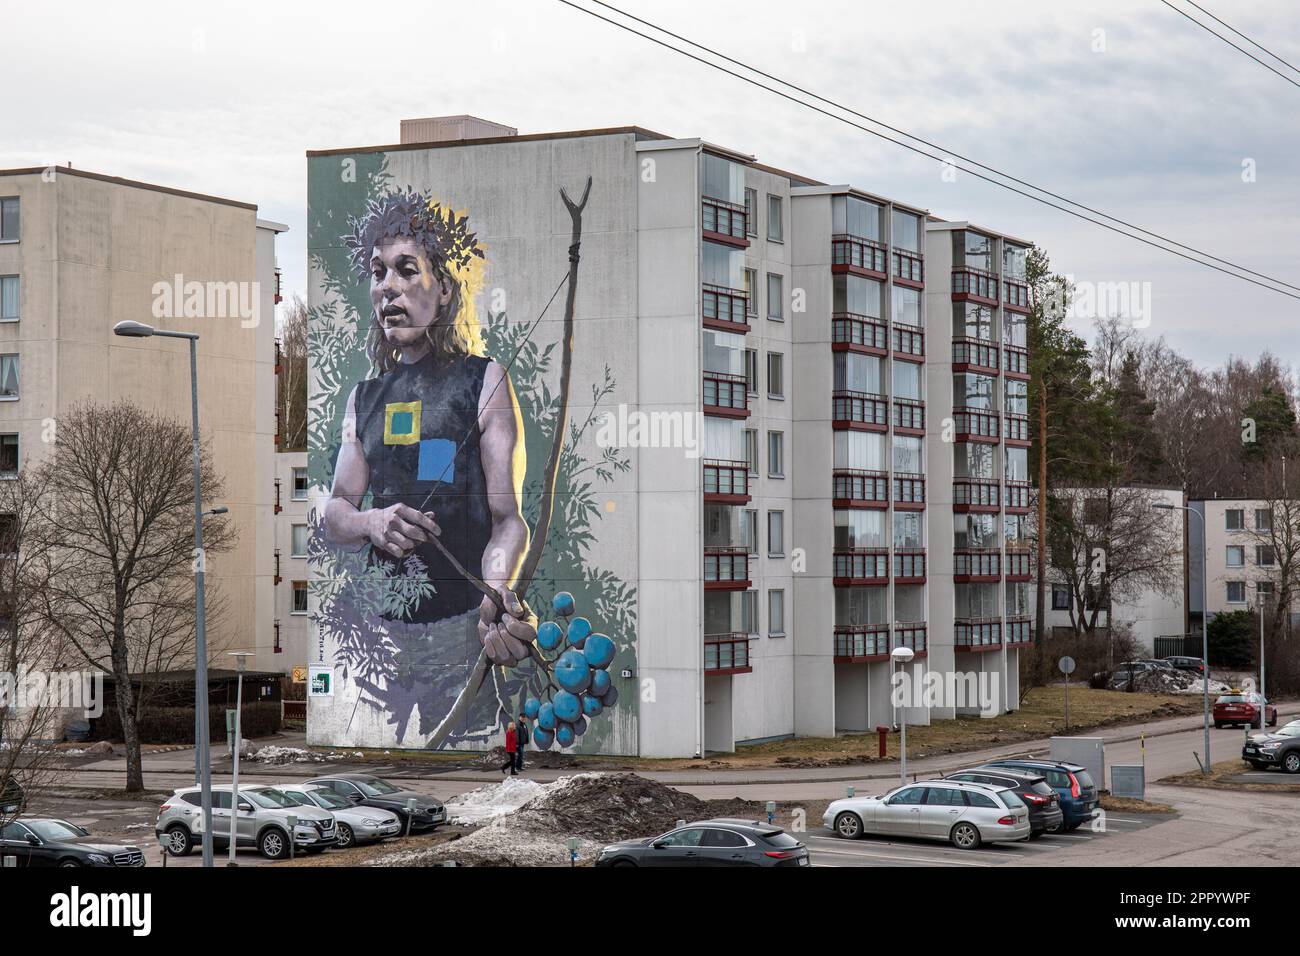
262	822
1072	783
722	842
1124	673
365	790
1237	709
43	841
1281	748
1184	663
1044	805
1159	663
355	824
13	798
965	814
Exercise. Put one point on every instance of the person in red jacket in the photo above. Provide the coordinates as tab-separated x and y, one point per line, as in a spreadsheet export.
512	747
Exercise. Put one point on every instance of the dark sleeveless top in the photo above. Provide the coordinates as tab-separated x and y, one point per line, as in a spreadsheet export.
410	422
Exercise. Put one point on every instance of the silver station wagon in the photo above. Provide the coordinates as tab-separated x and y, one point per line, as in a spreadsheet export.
965	814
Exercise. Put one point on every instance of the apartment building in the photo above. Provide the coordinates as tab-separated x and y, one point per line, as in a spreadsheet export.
1237	546
290	625
860	370
79	252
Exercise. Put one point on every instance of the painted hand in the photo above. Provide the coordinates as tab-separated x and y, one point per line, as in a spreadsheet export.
508	640
399	529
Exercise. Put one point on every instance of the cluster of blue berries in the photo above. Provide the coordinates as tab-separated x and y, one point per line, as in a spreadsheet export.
582	672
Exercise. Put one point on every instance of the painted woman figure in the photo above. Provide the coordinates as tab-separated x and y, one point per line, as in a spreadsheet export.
434	440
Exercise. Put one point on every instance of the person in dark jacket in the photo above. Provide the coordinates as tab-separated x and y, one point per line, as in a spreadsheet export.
521	736
512	749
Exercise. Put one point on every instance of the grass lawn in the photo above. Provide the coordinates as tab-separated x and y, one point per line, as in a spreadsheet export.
1221	777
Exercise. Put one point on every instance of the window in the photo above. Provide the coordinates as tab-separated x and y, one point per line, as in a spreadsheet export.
299	541
774	230
751	212
749	612
10	310
1236	592
723	838
9	456
775	534
750	531
776	454
1265	555
775	376
775	613
8	535
300	484
9	224
775	297
1060	597
1263	519
751	292
751	371
1236	556
1234	519
299	597
8	378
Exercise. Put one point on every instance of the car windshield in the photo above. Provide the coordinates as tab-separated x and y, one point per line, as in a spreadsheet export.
329	799
374	787
1084	778
1231	699
269	798
1040	786
1010	798
1290	730
55	830
781	839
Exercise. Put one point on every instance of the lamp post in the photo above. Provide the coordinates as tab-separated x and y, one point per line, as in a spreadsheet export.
240	659
1261	597
1205	625
203	768
902	656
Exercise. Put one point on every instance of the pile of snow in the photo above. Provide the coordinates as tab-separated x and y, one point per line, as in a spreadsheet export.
273	754
482	805
1163	680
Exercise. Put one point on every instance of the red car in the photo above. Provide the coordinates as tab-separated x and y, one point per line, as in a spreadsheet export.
1236	708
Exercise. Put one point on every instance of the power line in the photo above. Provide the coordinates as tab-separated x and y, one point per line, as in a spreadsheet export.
1231	44
942	159
1243	36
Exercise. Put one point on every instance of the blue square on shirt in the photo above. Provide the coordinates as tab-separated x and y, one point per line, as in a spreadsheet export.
437	460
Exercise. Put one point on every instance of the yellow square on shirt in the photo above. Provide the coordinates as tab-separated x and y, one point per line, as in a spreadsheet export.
402	423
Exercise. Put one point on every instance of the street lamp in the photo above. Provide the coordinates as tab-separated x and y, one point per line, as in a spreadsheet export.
902	656
1205	624
1261	597
240	658
202	767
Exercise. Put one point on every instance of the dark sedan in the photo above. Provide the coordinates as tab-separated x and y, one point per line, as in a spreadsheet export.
365	790
1278	749
1044	805
39	841
723	842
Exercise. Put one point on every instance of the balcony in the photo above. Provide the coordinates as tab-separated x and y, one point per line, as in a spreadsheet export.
909	268
726	568
1020	564
909	416
860	566
976	565
851	332
974	355
861	644
724	309
726	654
976	494
855	488
858	411
913	635
725	396
977	634
1016	429
909	492
1015	361
726	482
1015	294
909	565
975	424
1018	496
908	342
975	285
859	256
724	222
1020	632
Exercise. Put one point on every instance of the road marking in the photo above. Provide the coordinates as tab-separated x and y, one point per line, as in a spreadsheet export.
920	860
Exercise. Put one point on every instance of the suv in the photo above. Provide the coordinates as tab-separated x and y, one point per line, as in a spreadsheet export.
1072	783
1281	748
262	822
42	841
722	842
1044	805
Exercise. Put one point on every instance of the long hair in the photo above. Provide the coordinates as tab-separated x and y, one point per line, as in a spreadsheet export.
455	257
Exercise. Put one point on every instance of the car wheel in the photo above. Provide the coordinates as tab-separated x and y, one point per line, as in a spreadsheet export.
179	841
622	863
1291	762
848	825
965	836
69	863
1073	826
1036	834
346	838
274	844
1273	722
1218	725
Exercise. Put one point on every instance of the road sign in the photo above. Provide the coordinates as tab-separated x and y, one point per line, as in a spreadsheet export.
1066	664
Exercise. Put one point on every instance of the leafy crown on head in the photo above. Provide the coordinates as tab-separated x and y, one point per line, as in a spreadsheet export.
417	216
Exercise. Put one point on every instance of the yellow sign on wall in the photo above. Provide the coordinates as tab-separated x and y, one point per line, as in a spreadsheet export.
300	675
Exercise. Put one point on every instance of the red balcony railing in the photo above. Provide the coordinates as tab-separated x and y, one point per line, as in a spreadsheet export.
1016	430
1016	361
913	635
909	565
909	416
851	332
726	654
977	634
725	396
1019	564
726	568
724	308
854	566
1020	632
855	488
860	644
726	482
859	410
909	267
909	492
724	221
975	355
909	342
975	424
858	255
976	494
976	565
1016	294
971	283
1018	496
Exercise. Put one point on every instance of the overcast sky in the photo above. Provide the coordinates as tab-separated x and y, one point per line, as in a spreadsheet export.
1154	128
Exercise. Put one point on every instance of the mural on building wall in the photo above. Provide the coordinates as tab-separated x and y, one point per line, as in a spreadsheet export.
453	518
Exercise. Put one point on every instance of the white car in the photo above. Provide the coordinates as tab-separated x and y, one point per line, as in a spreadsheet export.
355	824
965	814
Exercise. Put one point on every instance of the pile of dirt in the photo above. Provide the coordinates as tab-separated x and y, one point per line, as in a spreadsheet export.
1162	680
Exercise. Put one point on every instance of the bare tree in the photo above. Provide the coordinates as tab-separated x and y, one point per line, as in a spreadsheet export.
292	381
120	512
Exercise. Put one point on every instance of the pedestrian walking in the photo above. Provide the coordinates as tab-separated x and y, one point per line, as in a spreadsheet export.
512	749
521	736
